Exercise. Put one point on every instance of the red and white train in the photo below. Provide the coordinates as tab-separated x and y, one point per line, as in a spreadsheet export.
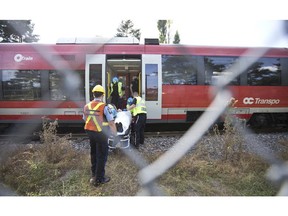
55	81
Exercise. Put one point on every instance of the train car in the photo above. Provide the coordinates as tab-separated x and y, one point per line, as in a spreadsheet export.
55	80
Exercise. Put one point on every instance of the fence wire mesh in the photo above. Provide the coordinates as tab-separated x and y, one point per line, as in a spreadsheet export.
149	173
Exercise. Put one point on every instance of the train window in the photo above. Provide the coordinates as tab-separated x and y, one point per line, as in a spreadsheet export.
21	85
151	71
217	66
66	85
265	72
95	77
179	70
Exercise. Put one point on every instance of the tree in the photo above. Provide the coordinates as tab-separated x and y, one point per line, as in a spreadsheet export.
176	38
17	31
169	22
162	28
126	29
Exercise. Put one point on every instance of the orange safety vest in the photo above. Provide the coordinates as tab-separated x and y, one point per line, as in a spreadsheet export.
94	113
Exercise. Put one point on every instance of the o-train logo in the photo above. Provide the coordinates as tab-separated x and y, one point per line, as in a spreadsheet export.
20	58
251	100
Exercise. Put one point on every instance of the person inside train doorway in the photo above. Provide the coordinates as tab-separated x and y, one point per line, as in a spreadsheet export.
138	107
134	87
99	125
116	94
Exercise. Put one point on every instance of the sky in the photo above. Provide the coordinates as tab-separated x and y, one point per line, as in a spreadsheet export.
205	22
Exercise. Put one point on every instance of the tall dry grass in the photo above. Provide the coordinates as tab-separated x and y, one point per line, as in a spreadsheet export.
56	168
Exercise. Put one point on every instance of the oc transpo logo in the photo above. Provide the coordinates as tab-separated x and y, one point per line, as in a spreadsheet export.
269	101
20	58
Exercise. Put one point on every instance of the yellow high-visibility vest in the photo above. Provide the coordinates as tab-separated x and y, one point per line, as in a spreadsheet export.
140	106
120	92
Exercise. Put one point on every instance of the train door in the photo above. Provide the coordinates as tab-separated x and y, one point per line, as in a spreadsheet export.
152	85
95	68
124	79
126	68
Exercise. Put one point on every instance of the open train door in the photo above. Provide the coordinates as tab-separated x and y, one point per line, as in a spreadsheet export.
152	85
95	68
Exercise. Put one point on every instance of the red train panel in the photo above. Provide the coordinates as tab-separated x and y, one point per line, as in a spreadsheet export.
248	96
177	100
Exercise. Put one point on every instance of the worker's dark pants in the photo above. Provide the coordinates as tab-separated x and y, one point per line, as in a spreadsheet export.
98	153
139	125
116	101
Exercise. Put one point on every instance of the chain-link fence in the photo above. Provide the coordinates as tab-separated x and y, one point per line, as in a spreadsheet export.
150	172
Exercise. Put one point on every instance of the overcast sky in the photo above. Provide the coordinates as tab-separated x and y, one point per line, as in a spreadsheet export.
205	22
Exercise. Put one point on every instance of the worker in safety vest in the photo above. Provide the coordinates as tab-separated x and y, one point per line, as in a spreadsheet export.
129	103
138	107
99	124
132	133
116	92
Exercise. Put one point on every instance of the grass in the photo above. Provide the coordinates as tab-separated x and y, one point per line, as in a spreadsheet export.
55	168
198	177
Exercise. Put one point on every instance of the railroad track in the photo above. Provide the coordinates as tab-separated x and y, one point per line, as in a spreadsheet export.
164	133
81	134
147	134
35	137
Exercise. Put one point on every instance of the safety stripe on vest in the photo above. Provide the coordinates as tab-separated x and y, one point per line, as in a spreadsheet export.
93	117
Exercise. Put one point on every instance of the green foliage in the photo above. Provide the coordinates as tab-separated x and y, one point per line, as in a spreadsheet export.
162	28
194	175
55	148
176	38
35	169
164	32
197	176
55	168
17	31
126	29
231	136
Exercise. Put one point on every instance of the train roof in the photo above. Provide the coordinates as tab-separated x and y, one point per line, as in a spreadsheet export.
98	40
130	46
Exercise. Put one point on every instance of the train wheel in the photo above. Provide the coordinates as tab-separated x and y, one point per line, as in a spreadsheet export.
260	120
